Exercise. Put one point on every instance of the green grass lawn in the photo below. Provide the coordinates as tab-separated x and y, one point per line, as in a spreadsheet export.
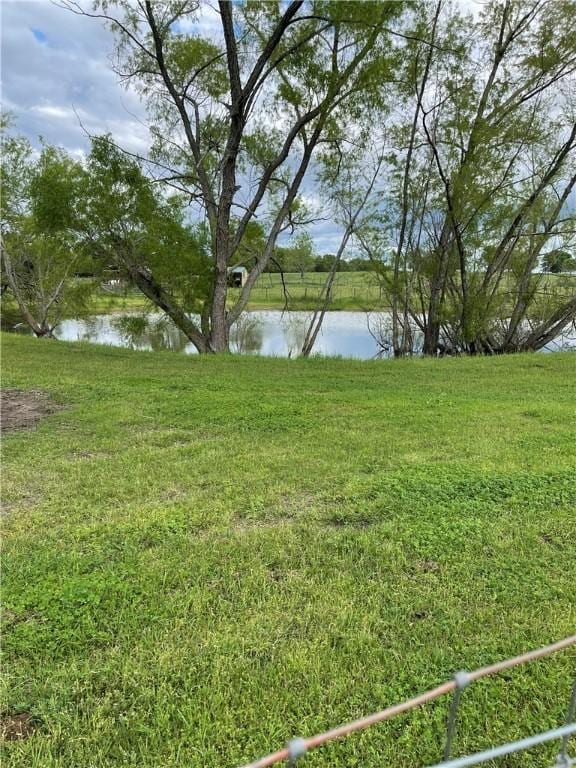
205	557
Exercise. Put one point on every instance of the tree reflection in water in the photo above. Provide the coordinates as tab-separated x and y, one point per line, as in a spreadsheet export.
294	326
145	332
246	335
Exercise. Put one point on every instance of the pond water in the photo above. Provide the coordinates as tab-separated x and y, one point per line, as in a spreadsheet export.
270	332
274	333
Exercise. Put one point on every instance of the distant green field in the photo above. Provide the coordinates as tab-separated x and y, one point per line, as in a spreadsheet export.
351	290
204	557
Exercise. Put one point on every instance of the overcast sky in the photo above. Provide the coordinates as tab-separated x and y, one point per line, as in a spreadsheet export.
58	83
57	74
53	63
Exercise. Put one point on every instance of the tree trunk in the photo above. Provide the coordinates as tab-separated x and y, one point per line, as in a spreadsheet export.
219	332
156	294
39	329
437	291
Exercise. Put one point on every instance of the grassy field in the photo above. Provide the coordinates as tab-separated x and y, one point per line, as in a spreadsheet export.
351	290
206	557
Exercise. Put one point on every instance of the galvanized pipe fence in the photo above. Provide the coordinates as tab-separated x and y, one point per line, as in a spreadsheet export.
297	748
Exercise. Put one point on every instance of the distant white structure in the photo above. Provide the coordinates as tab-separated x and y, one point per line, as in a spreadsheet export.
114	285
237	277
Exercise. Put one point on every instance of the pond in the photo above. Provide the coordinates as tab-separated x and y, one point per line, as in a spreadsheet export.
274	333
267	332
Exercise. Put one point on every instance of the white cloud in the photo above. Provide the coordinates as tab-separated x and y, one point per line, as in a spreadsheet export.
57	74
58	113
59	84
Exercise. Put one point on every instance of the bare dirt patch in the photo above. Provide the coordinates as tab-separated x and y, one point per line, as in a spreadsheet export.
244	526
22	410
15	727
294	503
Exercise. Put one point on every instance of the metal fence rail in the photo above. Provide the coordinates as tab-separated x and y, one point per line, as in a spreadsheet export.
514	746
297	748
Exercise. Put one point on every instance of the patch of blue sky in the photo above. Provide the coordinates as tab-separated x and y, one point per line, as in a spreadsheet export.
39	35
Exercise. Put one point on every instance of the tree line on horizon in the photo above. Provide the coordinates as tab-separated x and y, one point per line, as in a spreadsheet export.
441	145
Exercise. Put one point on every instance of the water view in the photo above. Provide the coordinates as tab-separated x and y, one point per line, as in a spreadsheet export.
357	335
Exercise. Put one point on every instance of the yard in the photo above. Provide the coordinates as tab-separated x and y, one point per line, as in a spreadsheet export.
205	557
350	290
359	291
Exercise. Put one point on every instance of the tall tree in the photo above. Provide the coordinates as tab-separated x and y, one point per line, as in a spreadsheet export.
39	241
485	177
236	117
129	225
